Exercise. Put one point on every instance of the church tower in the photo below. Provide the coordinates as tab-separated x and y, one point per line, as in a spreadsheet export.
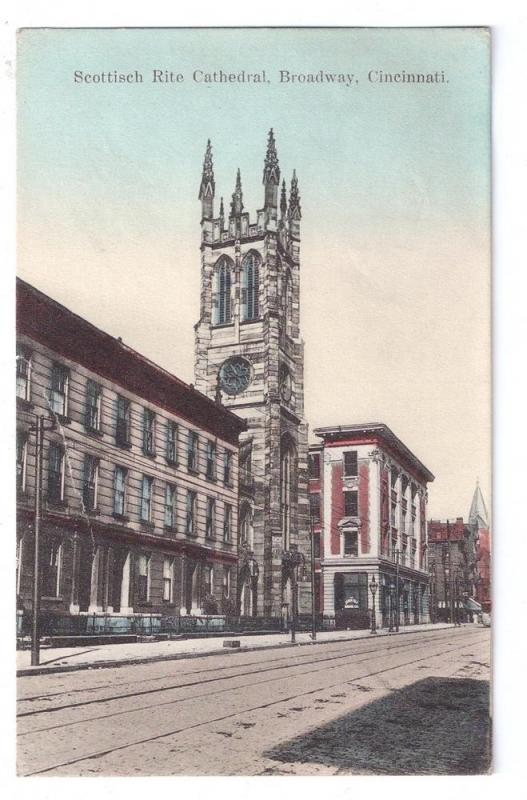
249	356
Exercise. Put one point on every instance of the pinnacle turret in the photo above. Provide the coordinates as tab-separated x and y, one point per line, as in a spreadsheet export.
283	200
271	173
237	197
207	186
295	211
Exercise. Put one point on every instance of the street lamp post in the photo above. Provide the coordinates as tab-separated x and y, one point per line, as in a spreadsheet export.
373	590
390	597
39	428
292	559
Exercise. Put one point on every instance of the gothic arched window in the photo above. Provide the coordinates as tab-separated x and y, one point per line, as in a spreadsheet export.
288	302
251	286
222	300
287	481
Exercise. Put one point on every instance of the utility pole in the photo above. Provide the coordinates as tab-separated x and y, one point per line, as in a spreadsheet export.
313	606
39	429
397	609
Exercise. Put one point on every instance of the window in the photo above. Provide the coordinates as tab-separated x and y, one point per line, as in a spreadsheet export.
355	590
192	454
91	480
314	465
168	580
287	481
170	506
316	545
122	428
93	406
60	376
351	504
211	461
227	523
119	491
149	427
143	577
146	498
351	543
226	581
172	434
208	579
223	299
50	565
23	373
209	525
246	528
251	288
21	461
55	473
350	463
191	512
314	506
227	467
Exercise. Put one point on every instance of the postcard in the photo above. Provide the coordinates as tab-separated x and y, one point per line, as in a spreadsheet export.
253	390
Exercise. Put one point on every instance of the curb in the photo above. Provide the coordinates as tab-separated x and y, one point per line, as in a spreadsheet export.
42	670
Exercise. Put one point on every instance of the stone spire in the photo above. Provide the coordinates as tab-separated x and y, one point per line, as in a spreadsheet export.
271	176
222	213
237	197
295	212
478	514
207	186
283	201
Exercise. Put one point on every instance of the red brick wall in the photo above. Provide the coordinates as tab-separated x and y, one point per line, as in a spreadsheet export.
364	507
337	507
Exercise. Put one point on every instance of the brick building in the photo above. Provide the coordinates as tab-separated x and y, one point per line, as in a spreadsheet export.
453	565
368	495
140	475
249	350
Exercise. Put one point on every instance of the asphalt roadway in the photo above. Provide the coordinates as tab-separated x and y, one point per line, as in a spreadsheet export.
412	704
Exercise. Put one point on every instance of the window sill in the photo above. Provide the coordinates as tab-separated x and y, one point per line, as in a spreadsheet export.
152	456
192	471
123	445
211	478
56	505
94	432
170	528
62	418
172	462
148	525
120	517
56	597
27	405
250	321
223	325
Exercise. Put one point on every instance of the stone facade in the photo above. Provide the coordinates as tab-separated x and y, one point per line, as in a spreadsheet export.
371	492
453	563
249	354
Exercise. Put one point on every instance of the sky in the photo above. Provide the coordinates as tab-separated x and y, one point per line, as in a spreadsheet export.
395	191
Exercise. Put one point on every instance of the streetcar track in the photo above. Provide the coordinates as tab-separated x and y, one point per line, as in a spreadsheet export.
126	695
193	697
260	707
437	636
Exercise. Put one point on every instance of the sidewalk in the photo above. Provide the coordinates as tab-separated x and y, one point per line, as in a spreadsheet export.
69	659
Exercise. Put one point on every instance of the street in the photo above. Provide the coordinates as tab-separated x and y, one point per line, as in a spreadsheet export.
416	703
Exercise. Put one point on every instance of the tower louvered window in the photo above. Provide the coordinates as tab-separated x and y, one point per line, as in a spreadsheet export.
251	280
224	294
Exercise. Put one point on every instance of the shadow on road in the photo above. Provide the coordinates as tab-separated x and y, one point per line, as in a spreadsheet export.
437	726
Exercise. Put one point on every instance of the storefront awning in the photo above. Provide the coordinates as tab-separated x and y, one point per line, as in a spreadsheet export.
472	605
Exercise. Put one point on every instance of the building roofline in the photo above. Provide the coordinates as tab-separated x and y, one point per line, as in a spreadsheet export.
336	432
42	318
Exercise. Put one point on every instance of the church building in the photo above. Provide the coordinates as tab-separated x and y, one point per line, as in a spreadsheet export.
249	354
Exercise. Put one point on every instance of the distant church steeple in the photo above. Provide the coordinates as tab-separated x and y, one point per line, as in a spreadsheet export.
271	175
237	197
478	514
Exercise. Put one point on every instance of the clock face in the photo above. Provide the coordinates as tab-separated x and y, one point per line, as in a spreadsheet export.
235	375
286	384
